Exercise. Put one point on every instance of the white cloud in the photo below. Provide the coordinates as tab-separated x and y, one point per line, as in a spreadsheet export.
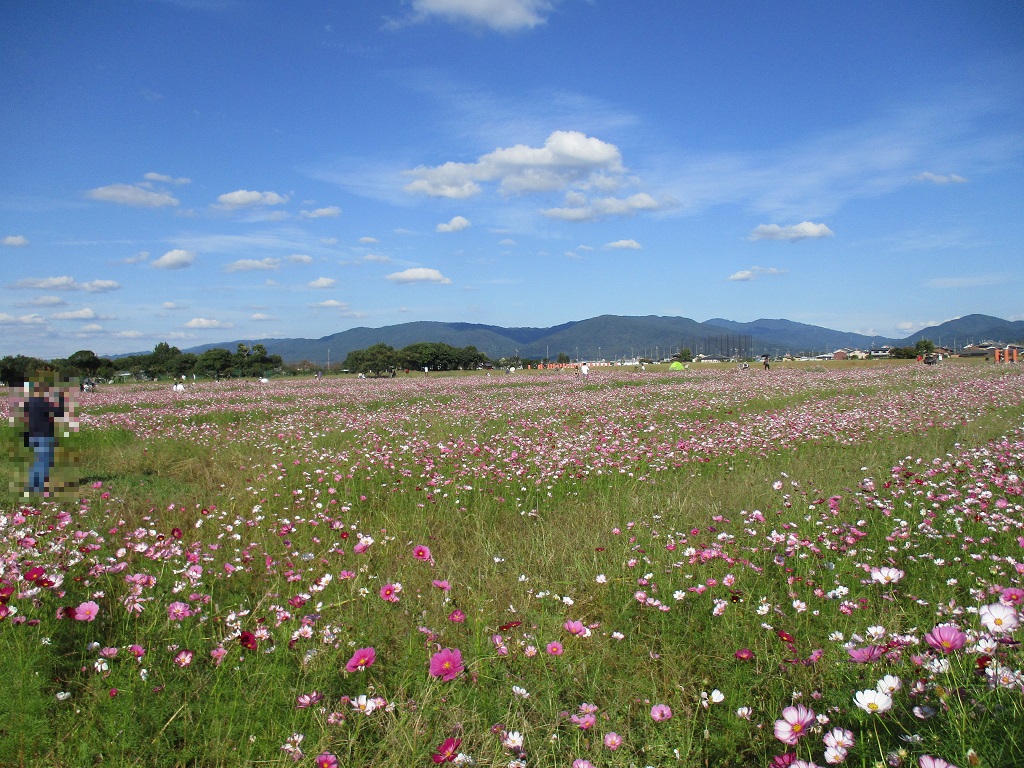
508	242
170	305
47	301
128	335
457	224
92	328
260	316
204	322
935	178
6	319
330	212
581	210
418	275
300	258
250	265
567	157
745	275
322	282
86	313
166	179
15	241
137	258
801	231
329	304
131	194
969	281
176	259
377	258
499	15
244	198
627	244
65	283
368	240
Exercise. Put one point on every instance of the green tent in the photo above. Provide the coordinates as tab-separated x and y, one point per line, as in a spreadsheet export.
676	366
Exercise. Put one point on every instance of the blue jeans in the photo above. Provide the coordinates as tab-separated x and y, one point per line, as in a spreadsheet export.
40	472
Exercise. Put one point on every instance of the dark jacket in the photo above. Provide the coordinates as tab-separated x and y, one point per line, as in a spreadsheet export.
41	412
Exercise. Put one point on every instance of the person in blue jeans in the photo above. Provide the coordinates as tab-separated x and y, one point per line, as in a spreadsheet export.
42	408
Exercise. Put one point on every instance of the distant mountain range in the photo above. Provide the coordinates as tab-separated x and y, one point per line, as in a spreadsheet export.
613	337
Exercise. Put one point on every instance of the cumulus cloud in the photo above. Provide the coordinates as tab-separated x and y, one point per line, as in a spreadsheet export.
244	198
137	258
377	258
166	179
418	275
86	313
626	244
46	301
329	304
457	224
322	282
176	259
251	265
128	335
368	240
745	275
170	305
567	157
132	194
205	322
330	212
499	15
6	319
15	241
936	178
581	209
65	283
802	231
260	316
300	258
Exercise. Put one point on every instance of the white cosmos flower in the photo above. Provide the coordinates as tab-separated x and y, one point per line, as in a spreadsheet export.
999	618
873	702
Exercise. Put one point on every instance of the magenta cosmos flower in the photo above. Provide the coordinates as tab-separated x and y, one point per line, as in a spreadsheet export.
421	552
794	724
946	638
447	751
447	664
554	648
87	611
612	740
661	712
326	760
927	761
361	659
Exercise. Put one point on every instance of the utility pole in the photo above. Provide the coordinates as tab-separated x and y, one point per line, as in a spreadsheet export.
328	360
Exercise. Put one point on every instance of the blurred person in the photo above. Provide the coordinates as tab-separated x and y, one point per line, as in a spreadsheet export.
39	410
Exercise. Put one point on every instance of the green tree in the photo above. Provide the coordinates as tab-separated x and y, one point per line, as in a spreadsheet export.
924	347
214	361
684	355
17	369
563	359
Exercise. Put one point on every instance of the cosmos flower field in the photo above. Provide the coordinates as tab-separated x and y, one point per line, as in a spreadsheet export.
808	566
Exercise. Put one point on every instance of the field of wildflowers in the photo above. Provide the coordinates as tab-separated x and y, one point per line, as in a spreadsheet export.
807	566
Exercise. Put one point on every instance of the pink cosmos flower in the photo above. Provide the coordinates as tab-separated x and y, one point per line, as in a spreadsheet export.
87	611
582	763
612	740
184	658
1012	596
744	654
576	628
389	593
447	751
325	760
866	654
998	618
554	648
420	552
457	616
442	584
660	713
584	721
178	610
794	724
137	651
927	761
361	659
946	638
306	700
218	654
446	664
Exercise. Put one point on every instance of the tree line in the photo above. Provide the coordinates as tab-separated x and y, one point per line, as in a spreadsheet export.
164	361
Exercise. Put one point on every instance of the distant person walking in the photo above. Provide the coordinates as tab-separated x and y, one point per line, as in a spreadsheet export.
767	366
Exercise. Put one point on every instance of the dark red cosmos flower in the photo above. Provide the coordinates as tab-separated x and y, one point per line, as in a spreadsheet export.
510	625
248	640
176	533
786	637
34	573
447	751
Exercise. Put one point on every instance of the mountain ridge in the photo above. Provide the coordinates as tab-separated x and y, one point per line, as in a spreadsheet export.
614	337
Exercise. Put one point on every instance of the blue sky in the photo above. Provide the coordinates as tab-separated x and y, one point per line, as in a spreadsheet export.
195	171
